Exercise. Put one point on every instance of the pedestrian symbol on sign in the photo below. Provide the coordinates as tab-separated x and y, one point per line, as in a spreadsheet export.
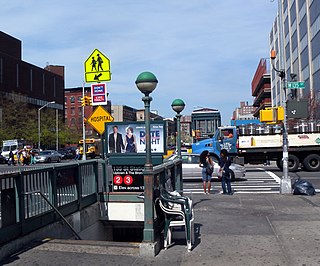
100	61
97	67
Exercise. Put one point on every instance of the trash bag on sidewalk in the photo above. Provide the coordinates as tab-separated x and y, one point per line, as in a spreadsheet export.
303	187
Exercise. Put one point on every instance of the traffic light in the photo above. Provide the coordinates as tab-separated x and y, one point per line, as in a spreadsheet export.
86	100
272	115
83	101
89	101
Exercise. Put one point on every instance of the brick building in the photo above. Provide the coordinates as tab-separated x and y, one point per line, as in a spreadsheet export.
25	82
73	110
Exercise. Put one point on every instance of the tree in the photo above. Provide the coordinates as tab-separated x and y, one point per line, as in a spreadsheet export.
20	121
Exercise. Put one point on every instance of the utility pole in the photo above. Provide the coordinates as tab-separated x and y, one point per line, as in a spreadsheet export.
285	183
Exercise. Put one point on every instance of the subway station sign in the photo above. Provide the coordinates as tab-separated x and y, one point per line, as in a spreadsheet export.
98	118
128	178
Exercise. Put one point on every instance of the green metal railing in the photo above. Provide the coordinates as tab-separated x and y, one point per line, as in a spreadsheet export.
68	187
26	196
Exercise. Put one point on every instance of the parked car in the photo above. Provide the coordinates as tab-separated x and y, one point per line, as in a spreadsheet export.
48	156
66	154
191	169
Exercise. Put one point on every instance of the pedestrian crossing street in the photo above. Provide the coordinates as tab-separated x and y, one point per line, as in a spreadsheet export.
256	181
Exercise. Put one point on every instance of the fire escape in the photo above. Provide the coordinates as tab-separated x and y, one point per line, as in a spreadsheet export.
261	87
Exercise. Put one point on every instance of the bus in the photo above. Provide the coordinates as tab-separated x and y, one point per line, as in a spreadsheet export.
93	148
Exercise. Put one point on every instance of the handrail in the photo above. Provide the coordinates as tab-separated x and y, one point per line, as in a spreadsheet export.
56	210
159	168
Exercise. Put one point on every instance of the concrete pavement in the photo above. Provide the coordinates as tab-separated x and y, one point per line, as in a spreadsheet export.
242	229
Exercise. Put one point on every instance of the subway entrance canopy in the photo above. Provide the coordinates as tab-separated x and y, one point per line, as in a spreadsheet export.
98	118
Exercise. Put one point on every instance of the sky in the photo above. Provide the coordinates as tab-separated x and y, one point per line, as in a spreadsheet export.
204	52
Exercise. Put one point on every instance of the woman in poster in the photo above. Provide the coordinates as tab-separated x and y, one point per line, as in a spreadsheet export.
130	140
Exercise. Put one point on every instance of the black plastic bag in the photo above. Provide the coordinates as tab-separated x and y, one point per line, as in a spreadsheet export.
303	187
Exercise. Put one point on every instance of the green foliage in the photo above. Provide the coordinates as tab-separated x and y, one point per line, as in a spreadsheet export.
20	121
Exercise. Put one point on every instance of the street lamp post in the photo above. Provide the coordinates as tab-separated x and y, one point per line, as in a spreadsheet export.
285	183
146	82
39	126
178	106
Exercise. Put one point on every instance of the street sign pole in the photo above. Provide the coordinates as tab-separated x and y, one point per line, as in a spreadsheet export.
285	182
83	128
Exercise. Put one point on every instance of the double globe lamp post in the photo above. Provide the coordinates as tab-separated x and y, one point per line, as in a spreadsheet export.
146	82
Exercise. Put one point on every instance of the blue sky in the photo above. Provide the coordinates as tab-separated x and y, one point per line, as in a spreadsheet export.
202	51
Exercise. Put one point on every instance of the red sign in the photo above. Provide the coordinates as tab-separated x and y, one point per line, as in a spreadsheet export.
117	179
128	180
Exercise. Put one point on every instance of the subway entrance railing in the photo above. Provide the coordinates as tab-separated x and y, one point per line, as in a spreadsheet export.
70	188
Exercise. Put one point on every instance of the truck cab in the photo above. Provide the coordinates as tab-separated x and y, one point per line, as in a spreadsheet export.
225	137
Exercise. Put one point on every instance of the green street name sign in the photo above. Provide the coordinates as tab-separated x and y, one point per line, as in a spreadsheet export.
296	85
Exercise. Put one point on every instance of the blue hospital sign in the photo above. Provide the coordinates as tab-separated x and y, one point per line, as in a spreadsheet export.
99	94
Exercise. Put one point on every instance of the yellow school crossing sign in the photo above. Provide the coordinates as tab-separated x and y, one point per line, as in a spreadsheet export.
98	118
97	67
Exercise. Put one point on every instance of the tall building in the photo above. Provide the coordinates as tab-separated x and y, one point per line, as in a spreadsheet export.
244	112
123	113
295	36
73	110
261	87
25	82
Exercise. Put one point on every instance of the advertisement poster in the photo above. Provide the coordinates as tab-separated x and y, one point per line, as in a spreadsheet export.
127	178
131	137
99	94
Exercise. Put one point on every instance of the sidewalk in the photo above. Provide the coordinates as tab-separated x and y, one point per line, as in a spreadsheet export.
242	229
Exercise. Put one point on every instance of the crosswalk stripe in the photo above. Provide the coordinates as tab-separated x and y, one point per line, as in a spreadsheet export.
264	182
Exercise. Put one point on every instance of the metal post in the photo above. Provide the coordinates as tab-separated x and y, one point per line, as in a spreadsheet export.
178	183
39	128
148	231
57	129
285	184
178	116
83	128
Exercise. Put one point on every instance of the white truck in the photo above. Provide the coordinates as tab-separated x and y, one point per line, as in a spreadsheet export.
258	143
11	145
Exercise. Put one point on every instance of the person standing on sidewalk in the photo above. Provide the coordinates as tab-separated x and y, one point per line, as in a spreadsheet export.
207	169
224	163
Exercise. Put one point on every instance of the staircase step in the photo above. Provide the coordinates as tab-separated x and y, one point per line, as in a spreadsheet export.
90	246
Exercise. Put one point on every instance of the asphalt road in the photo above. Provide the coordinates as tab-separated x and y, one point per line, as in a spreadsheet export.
313	177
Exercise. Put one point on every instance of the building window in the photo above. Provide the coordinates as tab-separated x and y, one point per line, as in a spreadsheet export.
73	122
72	99
31	77
79	99
54	87
43	84
1	69
17	75
72	112
80	110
